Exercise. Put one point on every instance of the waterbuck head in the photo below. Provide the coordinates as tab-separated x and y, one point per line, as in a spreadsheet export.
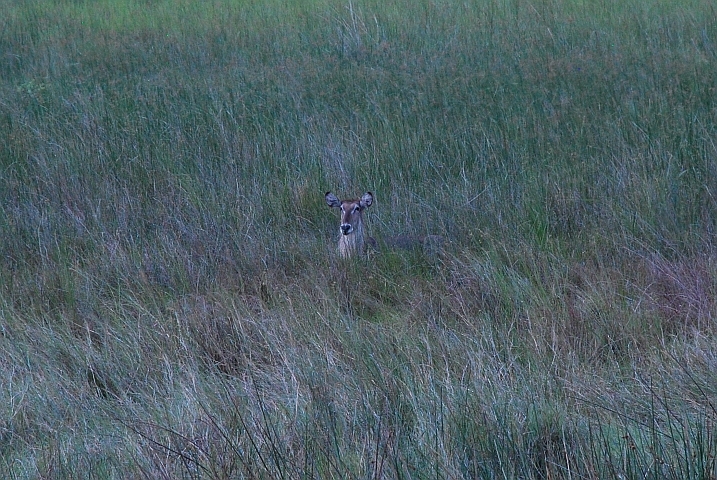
351	238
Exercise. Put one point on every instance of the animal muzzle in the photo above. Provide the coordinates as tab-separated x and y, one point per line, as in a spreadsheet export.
346	228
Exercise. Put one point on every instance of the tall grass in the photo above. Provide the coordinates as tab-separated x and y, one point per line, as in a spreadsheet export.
172	305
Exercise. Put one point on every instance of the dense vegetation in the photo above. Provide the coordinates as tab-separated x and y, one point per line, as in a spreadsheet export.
171	302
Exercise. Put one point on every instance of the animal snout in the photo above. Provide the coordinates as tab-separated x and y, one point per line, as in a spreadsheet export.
346	228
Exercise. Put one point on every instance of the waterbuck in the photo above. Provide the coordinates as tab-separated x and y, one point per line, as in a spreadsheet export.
353	238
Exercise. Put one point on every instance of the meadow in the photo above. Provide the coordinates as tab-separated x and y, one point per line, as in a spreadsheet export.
171	301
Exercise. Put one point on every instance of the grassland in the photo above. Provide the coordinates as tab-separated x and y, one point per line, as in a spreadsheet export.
171	303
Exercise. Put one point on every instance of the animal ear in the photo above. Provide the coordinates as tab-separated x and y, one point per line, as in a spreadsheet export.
366	200
332	200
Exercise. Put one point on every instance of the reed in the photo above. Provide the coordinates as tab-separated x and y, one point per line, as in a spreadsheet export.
171	304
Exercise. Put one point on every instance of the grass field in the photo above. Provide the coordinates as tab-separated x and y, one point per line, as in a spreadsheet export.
171	301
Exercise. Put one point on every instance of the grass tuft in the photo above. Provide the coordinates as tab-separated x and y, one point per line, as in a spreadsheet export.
171	301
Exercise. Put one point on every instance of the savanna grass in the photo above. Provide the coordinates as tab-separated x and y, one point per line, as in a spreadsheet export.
172	305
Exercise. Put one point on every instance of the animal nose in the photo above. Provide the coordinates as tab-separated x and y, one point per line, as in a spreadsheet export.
346	228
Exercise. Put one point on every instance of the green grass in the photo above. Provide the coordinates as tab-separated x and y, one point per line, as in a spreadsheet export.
171	302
